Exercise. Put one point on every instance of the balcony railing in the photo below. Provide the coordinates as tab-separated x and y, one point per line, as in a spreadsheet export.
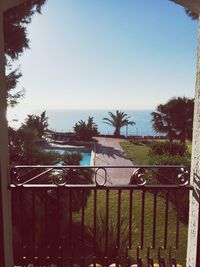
66	215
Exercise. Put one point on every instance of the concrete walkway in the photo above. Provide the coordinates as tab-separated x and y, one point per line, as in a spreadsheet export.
109	152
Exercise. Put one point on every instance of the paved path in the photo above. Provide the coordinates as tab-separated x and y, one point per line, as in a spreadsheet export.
109	152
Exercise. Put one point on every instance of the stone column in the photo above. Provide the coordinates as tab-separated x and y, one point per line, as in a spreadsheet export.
5	201
193	247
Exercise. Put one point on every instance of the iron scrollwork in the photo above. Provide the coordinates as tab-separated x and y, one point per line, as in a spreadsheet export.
138	177
103	177
183	177
15	177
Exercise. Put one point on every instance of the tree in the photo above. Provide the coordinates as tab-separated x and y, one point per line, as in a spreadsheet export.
189	12
16	20
23	149
175	118
39	123
72	158
12	80
118	120
86	129
60	201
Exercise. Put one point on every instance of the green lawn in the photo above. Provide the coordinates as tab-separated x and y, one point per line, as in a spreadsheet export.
136	152
189	145
136	219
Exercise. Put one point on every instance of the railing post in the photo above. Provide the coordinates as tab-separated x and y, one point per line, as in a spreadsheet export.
193	248
6	250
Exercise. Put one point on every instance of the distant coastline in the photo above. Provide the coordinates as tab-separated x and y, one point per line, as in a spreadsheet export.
64	120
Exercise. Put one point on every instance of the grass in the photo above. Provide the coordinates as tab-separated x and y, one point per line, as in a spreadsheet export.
136	152
136	219
189	145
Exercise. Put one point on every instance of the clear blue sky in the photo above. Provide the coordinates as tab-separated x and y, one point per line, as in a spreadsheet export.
108	54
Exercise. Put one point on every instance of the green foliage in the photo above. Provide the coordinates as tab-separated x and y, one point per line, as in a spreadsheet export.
142	154
140	142
86	129
80	177
31	154
13	96
136	225
118	120
168	148
189	147
191	14
16	20
170	160
76	176
138	153
179	198
71	158
37	123
175	118
157	155
41	157
111	229
54	199
23	149
21	145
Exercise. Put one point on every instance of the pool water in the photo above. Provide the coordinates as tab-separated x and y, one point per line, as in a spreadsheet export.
86	154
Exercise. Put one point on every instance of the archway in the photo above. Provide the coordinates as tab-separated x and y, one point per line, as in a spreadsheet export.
193	255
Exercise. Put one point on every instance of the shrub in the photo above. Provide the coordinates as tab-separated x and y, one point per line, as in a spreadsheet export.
179	198
42	157
72	158
168	148
170	160
140	142
112	231
86	129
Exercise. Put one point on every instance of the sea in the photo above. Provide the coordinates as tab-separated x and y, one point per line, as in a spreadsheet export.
64	120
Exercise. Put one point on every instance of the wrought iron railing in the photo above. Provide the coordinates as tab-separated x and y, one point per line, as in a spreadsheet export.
66	215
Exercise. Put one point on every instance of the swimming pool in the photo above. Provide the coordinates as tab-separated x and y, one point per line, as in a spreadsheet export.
86	153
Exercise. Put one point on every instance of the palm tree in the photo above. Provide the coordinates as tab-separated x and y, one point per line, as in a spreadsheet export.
39	123
118	120
86	129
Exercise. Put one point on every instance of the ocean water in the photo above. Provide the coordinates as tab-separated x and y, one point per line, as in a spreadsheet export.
64	120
